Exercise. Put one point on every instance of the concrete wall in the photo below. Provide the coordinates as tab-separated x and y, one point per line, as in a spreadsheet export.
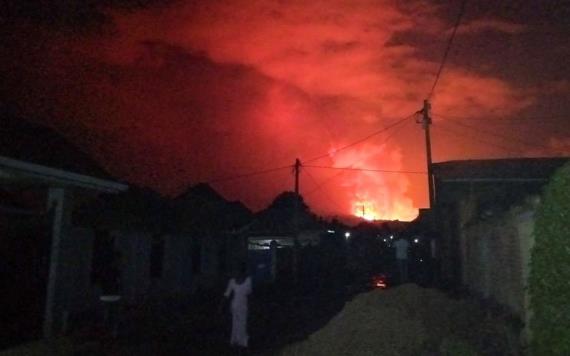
221	255
135	247
496	257
177	268
82	294
176	276
78	293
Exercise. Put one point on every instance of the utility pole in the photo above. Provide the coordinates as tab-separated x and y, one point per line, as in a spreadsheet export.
297	170
426	122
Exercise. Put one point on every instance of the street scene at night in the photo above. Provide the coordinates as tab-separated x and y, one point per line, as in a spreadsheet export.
267	177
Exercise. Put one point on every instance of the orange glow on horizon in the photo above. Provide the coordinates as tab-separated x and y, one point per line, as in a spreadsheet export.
375	195
255	90
367	210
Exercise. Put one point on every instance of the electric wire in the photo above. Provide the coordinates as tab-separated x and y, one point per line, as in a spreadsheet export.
248	174
325	182
376	133
511	139
490	143
327	197
367	170
448	47
333	177
498	120
271	170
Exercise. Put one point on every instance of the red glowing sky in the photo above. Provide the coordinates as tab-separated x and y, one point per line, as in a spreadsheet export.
184	91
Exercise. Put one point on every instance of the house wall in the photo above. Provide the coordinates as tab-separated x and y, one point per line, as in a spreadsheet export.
449	227
176	275
525	225
220	256
210	256
177	268
496	258
81	293
78	293
135	247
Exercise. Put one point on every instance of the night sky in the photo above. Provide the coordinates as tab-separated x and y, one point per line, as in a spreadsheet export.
166	94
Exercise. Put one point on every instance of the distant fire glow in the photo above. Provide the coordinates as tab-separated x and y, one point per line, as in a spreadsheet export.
185	93
375	195
366	210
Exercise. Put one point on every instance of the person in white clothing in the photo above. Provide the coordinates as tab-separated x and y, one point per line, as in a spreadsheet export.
239	289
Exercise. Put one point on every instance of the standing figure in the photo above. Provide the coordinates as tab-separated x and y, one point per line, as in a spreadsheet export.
239	289
401	245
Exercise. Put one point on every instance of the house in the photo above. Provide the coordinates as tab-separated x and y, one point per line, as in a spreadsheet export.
59	258
211	223
43	179
169	247
53	193
277	235
155	257
484	216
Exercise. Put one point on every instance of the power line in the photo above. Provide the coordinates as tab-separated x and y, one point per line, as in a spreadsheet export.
396	131
501	119
512	139
328	198
455	132
362	139
330	179
270	170
449	43
367	170
324	182
249	174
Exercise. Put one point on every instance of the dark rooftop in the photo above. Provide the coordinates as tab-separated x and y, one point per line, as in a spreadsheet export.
24	140
499	169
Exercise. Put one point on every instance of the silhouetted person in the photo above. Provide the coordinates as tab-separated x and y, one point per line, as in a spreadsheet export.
402	245
239	289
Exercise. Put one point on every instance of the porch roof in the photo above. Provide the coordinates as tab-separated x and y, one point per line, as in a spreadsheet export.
13	171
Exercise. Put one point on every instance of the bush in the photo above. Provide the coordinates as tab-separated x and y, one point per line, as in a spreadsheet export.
549	279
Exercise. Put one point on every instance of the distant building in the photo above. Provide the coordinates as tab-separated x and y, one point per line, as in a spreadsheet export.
212	223
276	235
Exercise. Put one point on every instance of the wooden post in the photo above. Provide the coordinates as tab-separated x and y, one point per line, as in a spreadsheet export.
59	200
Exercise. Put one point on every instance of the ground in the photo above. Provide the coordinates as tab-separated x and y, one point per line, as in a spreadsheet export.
396	321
